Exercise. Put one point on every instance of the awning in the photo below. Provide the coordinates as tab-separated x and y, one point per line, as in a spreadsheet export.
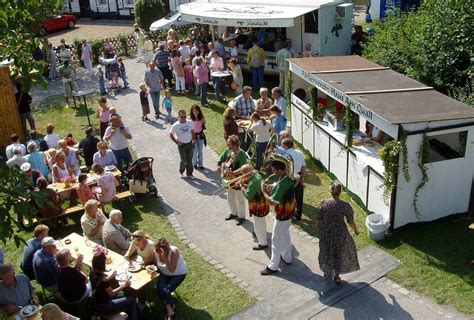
243	15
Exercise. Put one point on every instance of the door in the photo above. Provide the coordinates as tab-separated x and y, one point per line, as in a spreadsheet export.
84	5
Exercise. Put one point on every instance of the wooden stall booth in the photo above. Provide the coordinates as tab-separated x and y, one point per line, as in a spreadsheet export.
10	119
429	135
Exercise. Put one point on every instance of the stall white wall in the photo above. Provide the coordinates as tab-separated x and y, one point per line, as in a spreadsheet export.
448	189
330	42
295	34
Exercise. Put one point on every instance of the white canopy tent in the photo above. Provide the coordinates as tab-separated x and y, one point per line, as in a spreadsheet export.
245	14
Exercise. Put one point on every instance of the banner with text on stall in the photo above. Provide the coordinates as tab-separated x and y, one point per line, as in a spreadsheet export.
389	128
243	15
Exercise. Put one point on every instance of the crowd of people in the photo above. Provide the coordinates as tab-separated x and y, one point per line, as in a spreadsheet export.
189	64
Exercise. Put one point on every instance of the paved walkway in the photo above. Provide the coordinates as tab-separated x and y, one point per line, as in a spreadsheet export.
298	291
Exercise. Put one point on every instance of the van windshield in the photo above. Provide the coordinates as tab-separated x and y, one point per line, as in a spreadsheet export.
171	14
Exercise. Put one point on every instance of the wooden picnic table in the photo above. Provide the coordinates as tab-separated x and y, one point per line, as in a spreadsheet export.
138	279
60	187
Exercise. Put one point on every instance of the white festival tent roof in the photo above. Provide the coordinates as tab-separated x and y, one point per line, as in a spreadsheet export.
247	14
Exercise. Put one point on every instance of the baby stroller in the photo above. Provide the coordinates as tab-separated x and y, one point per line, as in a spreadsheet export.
112	72
140	177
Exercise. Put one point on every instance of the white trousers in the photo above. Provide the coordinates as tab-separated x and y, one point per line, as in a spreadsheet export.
237	202
283	72
139	53
180	83
260	228
281	243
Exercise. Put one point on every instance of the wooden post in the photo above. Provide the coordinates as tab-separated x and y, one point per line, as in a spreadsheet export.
10	119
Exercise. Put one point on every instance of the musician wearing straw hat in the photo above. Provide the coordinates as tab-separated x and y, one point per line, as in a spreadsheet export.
258	207
230	161
282	197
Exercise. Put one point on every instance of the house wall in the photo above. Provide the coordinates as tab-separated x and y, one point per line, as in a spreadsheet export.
448	189
109	7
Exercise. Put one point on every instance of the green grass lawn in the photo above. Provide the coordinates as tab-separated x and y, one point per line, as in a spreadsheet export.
435	256
205	294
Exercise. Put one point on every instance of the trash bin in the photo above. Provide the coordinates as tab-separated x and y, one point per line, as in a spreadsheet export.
376	226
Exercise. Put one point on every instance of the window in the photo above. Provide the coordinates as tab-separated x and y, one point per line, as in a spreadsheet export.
129	3
311	22
447	146
102	2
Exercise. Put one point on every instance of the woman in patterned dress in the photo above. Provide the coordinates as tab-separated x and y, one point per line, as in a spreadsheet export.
337	250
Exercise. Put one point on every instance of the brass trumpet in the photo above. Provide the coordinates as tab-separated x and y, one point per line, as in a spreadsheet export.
226	184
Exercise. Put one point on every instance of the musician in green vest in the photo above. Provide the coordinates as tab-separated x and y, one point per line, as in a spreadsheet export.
258	207
230	161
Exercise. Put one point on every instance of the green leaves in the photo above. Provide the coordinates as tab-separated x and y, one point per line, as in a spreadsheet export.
148	11
432	45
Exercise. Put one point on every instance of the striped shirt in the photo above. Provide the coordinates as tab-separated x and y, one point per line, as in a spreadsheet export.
244	107
162	57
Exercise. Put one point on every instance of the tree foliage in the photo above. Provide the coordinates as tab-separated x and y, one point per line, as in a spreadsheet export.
433	45
148	11
20	21
16	202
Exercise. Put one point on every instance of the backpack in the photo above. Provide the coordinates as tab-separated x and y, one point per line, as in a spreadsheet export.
255	59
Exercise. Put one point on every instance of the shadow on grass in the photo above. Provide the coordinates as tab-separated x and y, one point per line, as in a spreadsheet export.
446	245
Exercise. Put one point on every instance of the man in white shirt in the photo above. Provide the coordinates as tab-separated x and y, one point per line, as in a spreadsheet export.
184	50
117	134
281	59
183	135
17	158
15	144
299	164
140	38
277	95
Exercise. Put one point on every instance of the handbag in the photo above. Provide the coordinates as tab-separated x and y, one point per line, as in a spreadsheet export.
137	186
234	85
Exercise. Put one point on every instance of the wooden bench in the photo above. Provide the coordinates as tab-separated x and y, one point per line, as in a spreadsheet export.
68	211
121	196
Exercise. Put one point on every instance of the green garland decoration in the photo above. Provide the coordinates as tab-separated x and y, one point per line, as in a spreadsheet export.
403	148
390	154
423	155
288	90
349	123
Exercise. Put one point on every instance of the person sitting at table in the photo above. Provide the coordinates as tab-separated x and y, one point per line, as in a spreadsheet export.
51	137
104	156
92	221
15	143
88	147
172	269
37	159
51	311
45	265
115	236
33	245
106	299
107	184
371	131
15	290
230	126
84	192
60	171
17	159
71	158
40	143
141	245
264	103
51	207
73	284
31	174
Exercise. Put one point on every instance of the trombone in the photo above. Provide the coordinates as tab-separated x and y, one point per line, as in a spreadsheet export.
230	183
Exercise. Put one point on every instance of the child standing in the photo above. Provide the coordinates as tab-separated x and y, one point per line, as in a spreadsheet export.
279	122
101	76
144	101
188	75
103	114
123	73
168	104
